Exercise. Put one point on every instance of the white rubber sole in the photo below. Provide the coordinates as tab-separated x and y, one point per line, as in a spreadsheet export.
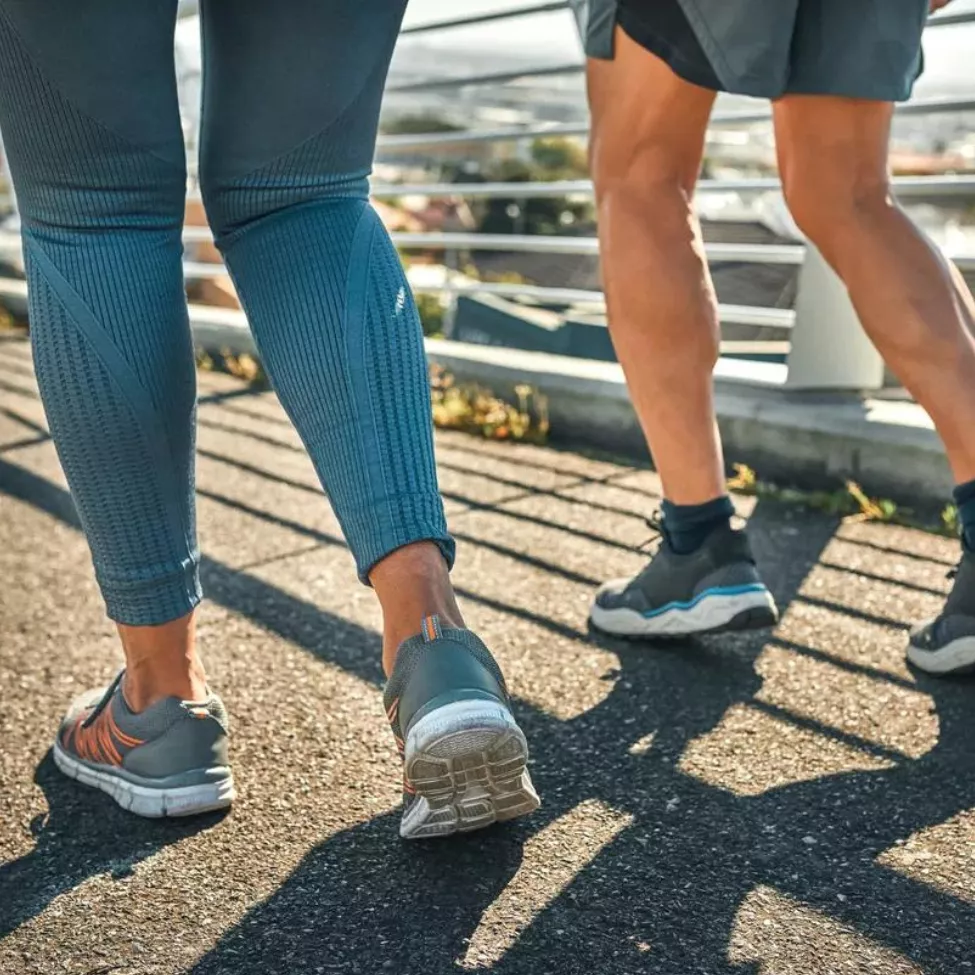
153	803
958	657
468	764
741	611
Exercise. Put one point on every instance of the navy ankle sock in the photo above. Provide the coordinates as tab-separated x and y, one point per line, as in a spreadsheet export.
687	526
965	499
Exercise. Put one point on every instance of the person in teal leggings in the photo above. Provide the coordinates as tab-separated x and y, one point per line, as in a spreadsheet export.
292	91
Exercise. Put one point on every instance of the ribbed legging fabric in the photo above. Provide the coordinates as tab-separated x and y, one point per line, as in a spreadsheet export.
292	89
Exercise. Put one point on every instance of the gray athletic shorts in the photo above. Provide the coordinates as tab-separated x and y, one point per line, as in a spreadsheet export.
769	48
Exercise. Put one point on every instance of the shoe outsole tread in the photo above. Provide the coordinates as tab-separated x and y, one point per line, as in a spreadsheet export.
467	778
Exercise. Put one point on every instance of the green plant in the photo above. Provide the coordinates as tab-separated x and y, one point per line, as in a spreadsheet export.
241	365
417	125
474	409
431	311
7	321
560	158
470	408
849	502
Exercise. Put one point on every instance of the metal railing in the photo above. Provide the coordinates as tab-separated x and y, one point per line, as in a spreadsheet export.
828	347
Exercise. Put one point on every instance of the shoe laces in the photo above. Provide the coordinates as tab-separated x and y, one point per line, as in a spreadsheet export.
106	697
656	525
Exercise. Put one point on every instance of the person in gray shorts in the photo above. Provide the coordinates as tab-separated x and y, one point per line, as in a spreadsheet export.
771	48
834	69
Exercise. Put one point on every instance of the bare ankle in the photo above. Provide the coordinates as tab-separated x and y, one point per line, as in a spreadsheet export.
160	662
413	582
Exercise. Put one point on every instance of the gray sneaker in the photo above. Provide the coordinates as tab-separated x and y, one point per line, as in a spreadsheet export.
464	756
946	644
169	760
712	590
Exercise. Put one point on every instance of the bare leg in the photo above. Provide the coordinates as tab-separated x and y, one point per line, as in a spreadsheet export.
412	583
161	661
912	303
648	134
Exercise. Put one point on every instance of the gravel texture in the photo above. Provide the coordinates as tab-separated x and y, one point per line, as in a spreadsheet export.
787	803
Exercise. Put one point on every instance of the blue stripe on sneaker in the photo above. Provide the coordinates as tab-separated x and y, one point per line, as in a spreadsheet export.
716	591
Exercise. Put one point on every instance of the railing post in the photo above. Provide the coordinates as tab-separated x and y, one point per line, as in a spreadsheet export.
829	350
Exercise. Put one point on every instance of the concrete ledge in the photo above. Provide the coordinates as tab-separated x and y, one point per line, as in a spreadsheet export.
803	438
809	439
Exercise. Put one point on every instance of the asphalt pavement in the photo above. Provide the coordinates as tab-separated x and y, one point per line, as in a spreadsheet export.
772	804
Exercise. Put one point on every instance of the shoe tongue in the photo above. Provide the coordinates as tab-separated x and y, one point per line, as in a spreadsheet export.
430	629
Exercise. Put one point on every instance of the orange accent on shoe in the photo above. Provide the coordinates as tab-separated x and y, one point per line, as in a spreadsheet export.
81	741
68	739
127	740
102	741
112	754
393	708
431	628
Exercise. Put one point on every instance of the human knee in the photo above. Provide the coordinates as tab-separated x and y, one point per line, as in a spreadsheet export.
147	196
316	171
647	168
831	205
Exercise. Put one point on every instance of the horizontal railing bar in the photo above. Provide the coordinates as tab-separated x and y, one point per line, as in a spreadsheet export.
393	143
550	244
904	186
732	314
951	20
754	347
541	244
754	315
226	328
559	296
547	244
497	78
575	187
778	254
424	139
789	254
934	106
539	8
783	318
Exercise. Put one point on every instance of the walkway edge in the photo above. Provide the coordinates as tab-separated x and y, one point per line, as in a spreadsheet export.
805	438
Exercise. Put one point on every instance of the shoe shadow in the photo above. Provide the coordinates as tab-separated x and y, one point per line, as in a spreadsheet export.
366	901
84	834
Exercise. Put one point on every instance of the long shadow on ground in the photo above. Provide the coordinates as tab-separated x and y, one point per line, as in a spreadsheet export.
661	895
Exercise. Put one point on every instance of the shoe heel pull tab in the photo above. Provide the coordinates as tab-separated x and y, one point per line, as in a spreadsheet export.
431	629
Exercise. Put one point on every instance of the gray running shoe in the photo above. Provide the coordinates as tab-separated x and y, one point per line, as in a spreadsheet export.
169	760
712	590
946	644
464	756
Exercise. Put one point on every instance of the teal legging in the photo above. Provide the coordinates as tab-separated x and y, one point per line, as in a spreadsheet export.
89	114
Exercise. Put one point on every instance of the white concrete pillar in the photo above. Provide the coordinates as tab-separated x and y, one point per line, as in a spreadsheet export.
829	350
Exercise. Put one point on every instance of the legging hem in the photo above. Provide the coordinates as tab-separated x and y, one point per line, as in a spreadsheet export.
155	602
367	561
